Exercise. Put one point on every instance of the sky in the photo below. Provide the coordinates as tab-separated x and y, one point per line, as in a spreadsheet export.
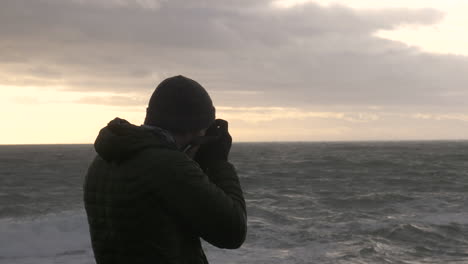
297	70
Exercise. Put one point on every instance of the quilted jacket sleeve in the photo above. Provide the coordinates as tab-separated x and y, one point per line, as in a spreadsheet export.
212	205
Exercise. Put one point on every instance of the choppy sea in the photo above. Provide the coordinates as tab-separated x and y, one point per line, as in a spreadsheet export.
367	202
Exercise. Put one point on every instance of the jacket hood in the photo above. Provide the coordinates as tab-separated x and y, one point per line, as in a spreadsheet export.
120	140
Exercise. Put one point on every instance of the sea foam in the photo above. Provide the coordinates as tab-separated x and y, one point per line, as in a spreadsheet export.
46	239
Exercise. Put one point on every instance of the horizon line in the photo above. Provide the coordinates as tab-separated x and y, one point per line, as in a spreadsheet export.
274	141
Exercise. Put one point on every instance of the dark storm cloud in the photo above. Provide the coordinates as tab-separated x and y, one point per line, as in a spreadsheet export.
298	56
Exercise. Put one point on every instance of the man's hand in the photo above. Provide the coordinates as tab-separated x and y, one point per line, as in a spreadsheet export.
219	148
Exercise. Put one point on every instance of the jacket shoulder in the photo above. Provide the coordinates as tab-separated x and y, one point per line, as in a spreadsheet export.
159	158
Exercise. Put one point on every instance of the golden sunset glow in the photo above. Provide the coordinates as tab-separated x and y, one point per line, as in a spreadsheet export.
327	71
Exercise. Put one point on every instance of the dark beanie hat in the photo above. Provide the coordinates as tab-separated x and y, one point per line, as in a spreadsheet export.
180	105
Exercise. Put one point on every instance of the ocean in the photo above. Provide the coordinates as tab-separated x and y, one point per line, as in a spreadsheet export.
361	202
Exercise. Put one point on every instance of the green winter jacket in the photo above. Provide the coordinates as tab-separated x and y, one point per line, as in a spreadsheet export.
147	202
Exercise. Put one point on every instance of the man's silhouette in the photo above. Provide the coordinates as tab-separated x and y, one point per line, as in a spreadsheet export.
154	190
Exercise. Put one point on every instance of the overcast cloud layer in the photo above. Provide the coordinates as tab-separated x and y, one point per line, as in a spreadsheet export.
247	53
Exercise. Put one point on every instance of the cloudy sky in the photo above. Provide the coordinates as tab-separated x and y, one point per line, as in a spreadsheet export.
292	70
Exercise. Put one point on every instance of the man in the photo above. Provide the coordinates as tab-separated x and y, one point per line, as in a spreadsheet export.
153	191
